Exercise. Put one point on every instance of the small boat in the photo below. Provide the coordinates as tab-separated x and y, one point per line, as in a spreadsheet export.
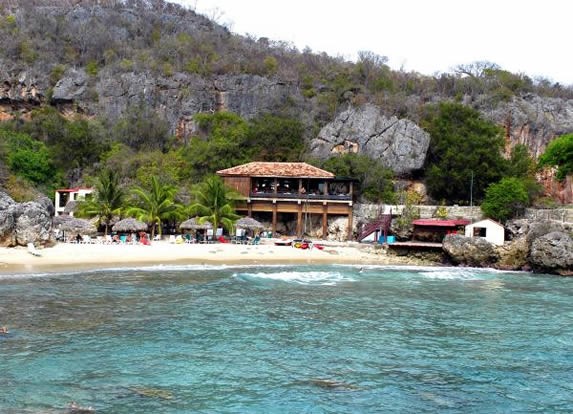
283	242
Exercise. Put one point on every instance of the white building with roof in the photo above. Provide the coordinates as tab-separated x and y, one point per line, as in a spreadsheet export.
488	229
65	195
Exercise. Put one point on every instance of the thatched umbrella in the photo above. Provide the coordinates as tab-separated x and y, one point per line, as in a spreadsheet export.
71	206
193	224
57	221
129	225
249	224
78	226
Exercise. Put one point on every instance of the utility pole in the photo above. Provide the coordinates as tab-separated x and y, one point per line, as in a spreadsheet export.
472	189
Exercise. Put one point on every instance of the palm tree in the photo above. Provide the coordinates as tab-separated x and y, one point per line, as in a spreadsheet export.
214	202
155	205
106	201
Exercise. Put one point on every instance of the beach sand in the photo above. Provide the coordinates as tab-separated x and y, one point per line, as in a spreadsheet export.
70	256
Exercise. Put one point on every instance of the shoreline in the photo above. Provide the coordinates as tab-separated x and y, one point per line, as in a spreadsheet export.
65	257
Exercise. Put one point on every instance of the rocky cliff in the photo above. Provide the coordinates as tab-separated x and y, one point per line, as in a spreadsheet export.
399	143
102	58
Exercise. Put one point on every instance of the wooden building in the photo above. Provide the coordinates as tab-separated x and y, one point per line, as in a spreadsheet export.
434	230
290	190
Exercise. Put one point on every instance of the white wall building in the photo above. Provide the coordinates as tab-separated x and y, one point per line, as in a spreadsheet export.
65	195
488	229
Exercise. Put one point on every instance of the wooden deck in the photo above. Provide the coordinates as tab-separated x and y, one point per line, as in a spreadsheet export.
416	244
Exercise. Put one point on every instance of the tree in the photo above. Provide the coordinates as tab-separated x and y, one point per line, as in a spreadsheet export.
27	157
505	199
374	180
107	200
141	128
559	154
155	205
214	202
465	149
221	143
521	164
275	138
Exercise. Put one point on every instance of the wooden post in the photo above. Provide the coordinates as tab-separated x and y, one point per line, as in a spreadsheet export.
274	219
299	221
324	220
250	209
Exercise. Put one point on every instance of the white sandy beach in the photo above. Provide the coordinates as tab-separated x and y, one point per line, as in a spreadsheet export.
69	256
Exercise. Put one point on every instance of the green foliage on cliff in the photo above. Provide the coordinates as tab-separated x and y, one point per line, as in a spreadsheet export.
374	181
27	157
559	154
506	199
465	154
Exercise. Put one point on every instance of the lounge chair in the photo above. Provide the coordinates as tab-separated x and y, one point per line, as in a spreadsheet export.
32	250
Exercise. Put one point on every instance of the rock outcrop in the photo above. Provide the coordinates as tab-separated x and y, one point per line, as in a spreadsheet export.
544	246
552	253
22	223
531	120
470	251
399	143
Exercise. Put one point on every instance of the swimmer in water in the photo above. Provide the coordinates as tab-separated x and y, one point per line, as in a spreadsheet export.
3	330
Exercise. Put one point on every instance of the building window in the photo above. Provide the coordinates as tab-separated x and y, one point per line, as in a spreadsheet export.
480	232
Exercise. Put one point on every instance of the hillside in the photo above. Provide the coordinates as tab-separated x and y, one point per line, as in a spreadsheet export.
114	61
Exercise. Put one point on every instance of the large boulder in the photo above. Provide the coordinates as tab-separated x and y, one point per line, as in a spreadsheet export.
469	251
22	223
553	253
399	143
513	255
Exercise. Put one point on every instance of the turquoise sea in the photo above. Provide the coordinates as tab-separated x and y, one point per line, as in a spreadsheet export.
287	339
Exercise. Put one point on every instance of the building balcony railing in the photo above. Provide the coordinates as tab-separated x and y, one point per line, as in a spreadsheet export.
303	197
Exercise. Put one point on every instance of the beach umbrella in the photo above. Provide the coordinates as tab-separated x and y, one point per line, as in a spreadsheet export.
77	226
129	225
193	224
249	224
57	221
71	206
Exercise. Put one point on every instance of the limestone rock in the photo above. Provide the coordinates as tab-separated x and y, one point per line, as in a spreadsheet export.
22	223
70	87
338	229
399	143
513	255
5	201
552	252
469	251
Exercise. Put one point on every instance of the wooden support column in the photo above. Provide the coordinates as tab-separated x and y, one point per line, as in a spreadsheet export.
324	220
250	209
274	219
299	221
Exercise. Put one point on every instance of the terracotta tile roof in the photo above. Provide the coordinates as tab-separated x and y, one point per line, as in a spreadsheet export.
277	169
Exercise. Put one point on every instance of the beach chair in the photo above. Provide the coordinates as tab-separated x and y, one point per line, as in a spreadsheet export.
123	238
86	239
32	250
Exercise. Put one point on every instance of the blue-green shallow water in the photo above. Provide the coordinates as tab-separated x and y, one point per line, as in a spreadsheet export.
307	339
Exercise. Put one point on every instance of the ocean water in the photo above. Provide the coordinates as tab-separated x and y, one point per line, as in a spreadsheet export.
287	339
